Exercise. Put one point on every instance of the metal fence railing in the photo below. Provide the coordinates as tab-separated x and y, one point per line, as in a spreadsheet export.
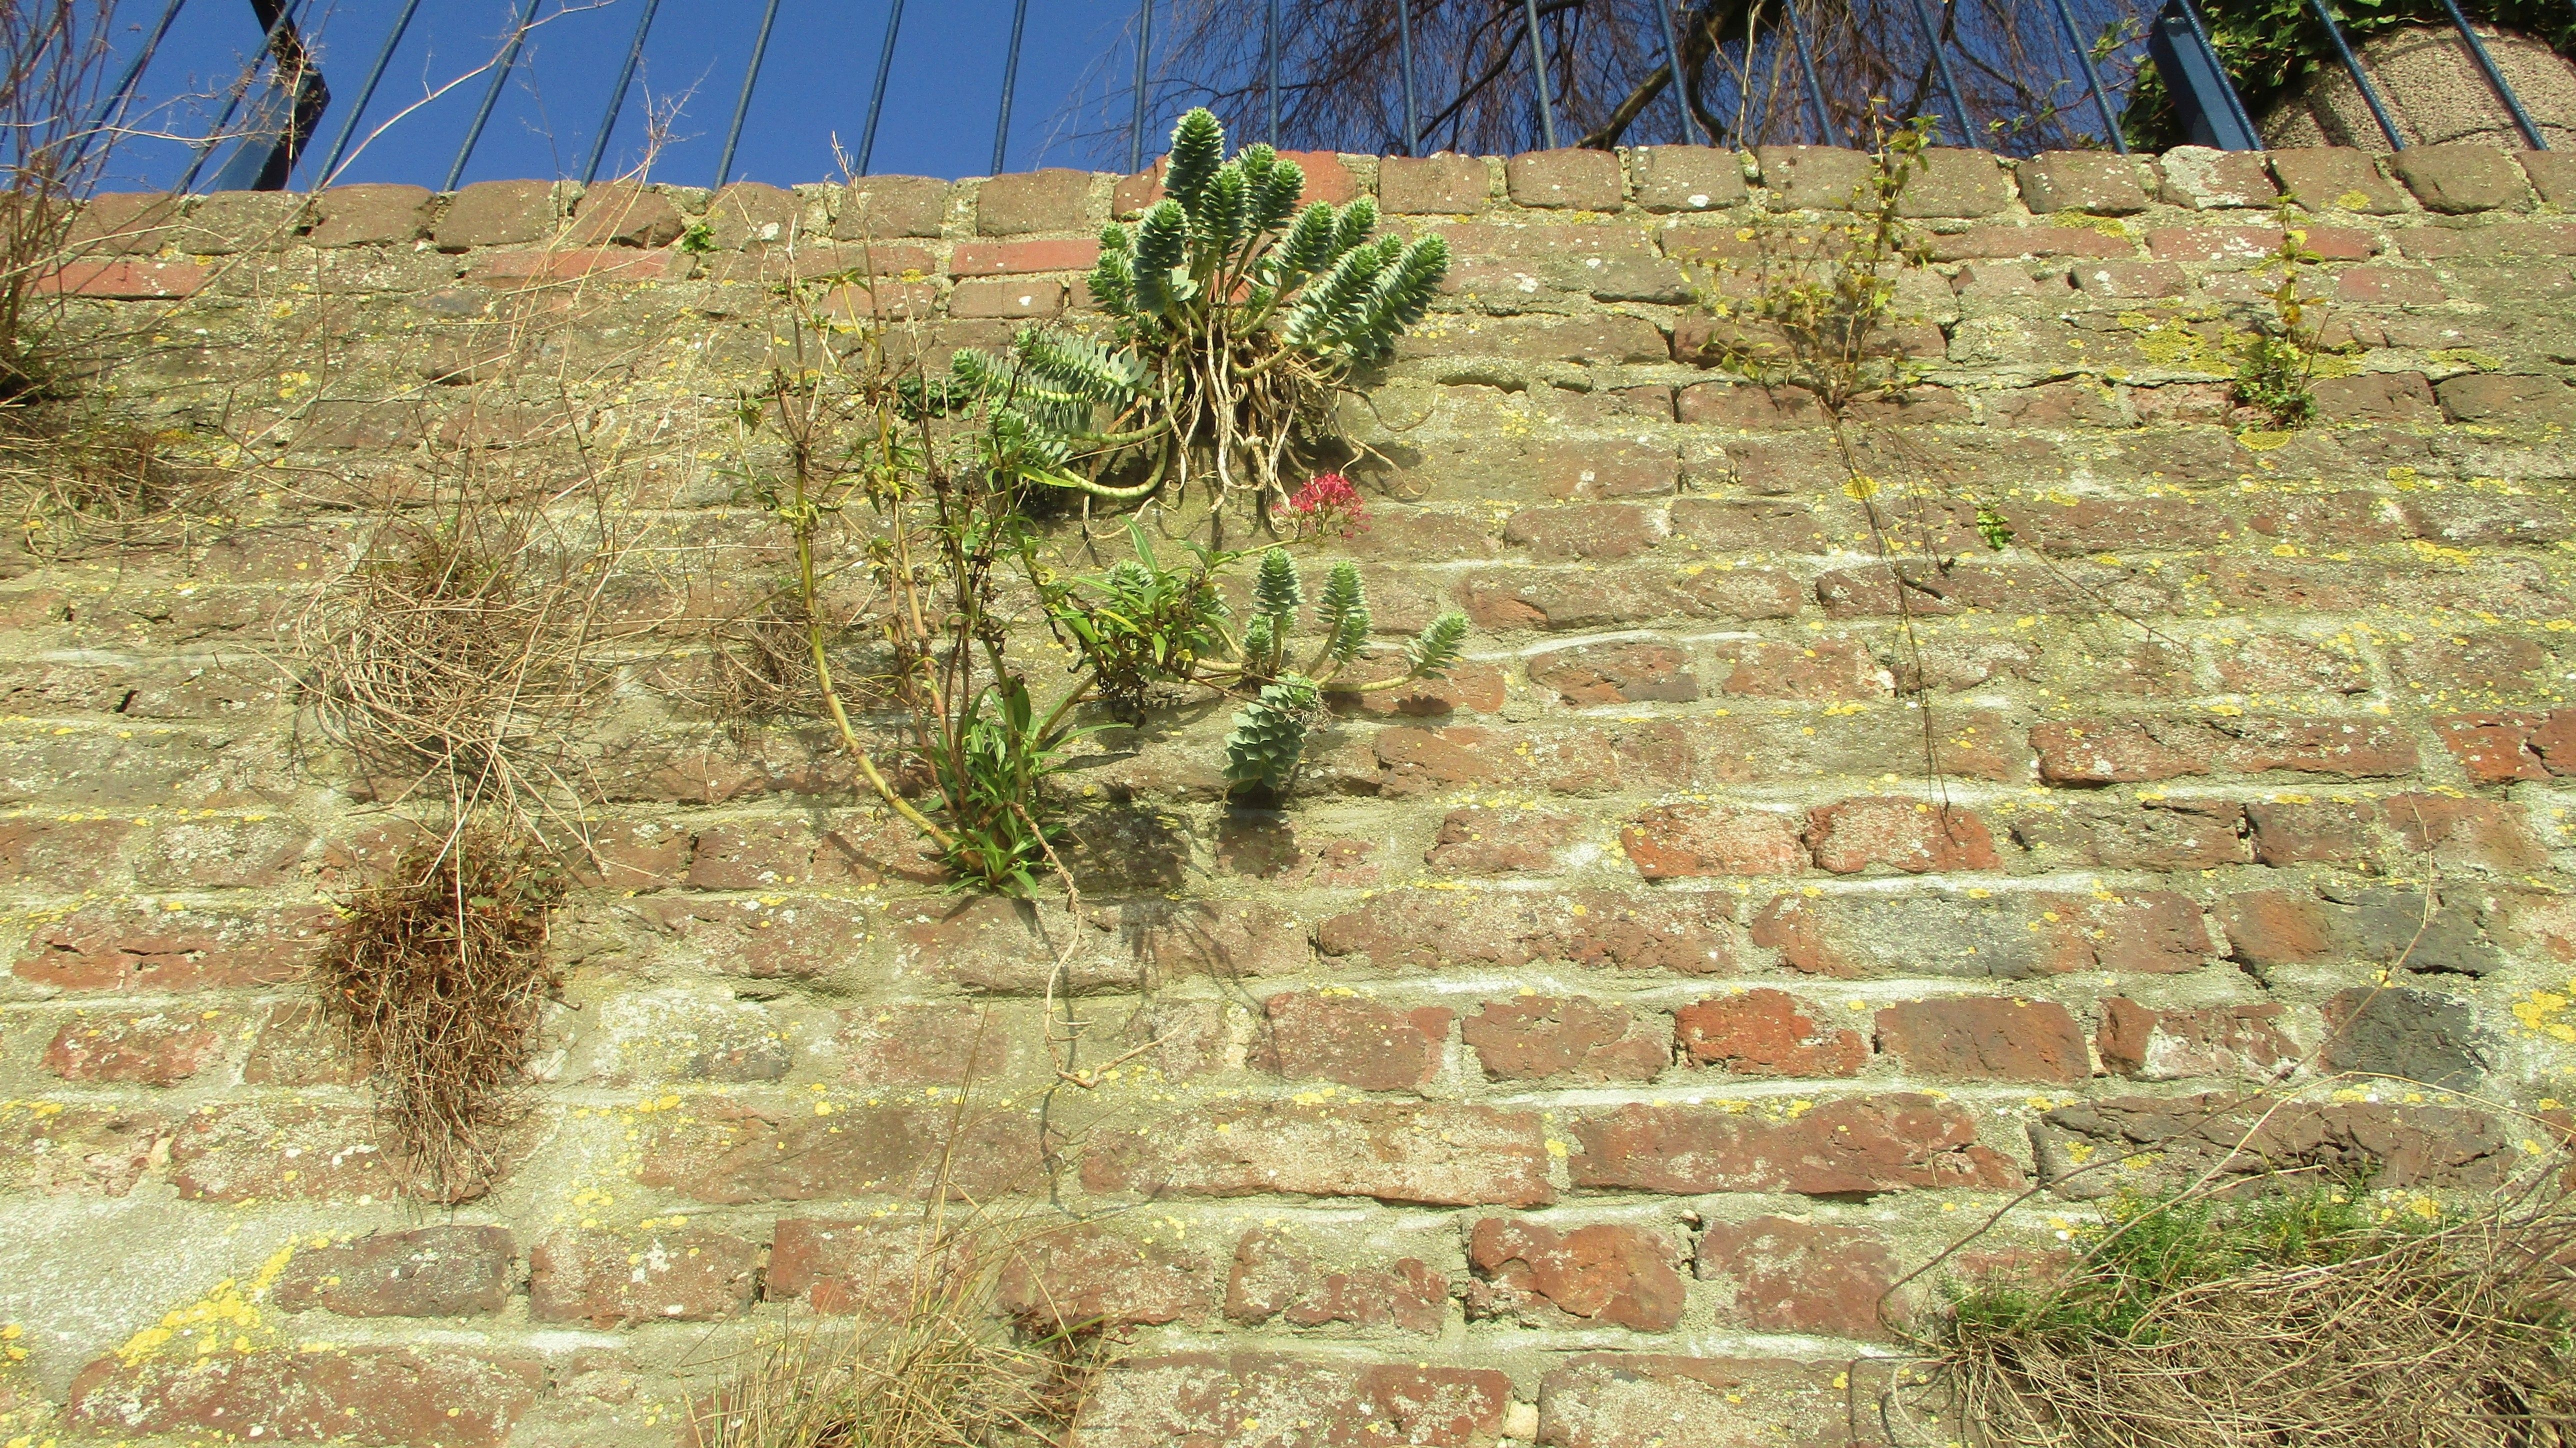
290	93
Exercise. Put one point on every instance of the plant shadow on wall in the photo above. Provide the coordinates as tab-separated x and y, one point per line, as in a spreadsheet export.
1235	320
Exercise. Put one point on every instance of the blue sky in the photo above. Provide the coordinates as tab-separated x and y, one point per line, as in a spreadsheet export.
938	119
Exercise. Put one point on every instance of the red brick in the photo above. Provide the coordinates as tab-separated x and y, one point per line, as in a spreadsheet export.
1353	1040
1566	1039
1431	1154
108	947
1880	1143
1681	841
2388	286
1600	929
2170	834
2461	176
1829	669
749	214
2222	1135
1985	1039
126	279
1481	841
2503	747
1606	1273
727	1153
1998	243
2120	751
1582	532
1765	1032
443	1271
1049	200
2272	927
1018	258
1592	471
935	1043
1274	1278
621	213
142	1050
2401	397
51	1147
60	854
877	207
1035	300
367	215
608	1280
1081	1276
1792	1276
2156	1045
1253	1400
137	222
448	1398
1909	835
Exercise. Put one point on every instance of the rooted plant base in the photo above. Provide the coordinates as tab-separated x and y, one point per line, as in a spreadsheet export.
436	984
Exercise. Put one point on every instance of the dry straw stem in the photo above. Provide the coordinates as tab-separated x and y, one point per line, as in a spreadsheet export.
436	983
2453	1338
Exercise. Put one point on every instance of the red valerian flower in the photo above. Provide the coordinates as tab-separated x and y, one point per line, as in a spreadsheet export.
1327	505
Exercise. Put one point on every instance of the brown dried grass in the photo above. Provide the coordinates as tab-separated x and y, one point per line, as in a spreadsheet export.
2369	1335
436	984
74	486
946	1369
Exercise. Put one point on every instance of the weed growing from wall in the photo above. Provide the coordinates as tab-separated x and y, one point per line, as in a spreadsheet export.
2279	361
436	983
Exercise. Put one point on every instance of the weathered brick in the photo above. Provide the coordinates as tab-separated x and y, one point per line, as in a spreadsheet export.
1851	836
1033	201
124	223
1687	178
2343	177
2169	834
2082	181
1352	1040
1818	177
1433	185
576	264
155	1049
2501	747
2506	398
1990	1038
1479	841
2004	242
52	1147
1681	841
2461	176
747	215
1618	673
442	1271
879	207
727	1153
1855	1144
241	1153
125	279
935	1043
370	1395
1976	936
1567	1040
1572	177
1825	669
1629	1400
1275	1277
1083	1275
1788	1275
2174	1140
873	1266
2401	397
1254	1398
1429	929
1432	1154
1766	1032
496	213
2465	833
367	215
1607	1273
2171	1045
2205	179
621	213
608	1280
1955	181
1019	258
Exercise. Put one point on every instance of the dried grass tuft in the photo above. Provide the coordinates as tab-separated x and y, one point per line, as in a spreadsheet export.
946	1369
73	486
436	984
2314	1318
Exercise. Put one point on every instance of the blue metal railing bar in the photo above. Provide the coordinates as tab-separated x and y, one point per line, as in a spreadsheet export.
1404	46
366	93
1807	72
876	93
1270	71
241	90
1010	83
617	96
2203	98
492	93
1941	64
2092	76
111	111
2495	78
742	101
1538	73
2351	66
1144	60
1691	134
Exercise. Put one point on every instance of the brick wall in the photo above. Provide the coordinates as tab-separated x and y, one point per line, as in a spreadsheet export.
1599	1034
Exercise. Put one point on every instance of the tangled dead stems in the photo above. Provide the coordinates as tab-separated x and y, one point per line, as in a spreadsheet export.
436	984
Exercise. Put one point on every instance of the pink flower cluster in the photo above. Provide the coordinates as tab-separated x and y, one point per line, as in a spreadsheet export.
1327	505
